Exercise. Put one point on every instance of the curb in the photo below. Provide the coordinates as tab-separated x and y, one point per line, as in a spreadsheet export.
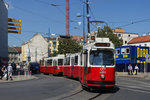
12	81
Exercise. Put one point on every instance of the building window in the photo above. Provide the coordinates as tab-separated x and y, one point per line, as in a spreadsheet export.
54	43
127	50
125	42
119	35
118	51
123	51
145	44
128	35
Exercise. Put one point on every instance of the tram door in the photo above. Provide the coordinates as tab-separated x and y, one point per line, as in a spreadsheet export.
45	66
72	66
85	61
54	66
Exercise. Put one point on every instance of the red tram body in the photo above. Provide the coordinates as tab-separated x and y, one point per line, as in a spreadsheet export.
94	66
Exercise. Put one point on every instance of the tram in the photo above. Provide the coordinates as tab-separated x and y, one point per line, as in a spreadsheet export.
94	66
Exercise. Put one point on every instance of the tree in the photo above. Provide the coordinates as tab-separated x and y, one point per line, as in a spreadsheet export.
107	32
68	46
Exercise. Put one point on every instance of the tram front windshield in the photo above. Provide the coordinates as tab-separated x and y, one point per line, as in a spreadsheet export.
101	57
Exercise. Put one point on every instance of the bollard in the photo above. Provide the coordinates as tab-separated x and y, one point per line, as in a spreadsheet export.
30	74
18	75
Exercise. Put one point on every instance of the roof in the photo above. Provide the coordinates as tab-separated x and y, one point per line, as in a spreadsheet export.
78	38
140	39
12	50
18	49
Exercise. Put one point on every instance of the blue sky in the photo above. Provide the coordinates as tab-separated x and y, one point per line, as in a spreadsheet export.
38	15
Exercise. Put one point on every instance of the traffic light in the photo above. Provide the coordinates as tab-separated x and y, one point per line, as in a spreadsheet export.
14	25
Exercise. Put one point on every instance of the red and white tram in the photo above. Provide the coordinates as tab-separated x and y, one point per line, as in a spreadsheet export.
98	67
94	66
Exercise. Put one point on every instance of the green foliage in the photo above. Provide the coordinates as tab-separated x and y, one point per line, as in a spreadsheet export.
68	46
107	32
54	53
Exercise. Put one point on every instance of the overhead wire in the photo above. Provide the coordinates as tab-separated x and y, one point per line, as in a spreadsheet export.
143	20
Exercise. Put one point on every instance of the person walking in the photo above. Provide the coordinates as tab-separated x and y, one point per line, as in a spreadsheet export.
10	71
136	69
2	72
130	70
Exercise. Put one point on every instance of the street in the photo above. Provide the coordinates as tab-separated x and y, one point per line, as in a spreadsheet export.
48	87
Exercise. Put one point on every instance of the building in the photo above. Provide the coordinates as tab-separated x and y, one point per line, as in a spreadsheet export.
35	49
14	54
3	33
126	37
133	55
54	42
140	41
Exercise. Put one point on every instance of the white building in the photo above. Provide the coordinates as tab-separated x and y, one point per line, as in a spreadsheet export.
3	33
36	48
126	37
140	41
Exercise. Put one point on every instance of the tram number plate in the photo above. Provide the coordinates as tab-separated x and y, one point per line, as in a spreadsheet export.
102	72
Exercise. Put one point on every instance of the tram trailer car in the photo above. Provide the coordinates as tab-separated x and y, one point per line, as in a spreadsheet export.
98	67
57	64
133	55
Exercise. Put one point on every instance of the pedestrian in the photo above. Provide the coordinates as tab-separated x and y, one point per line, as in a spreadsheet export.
130	70
2	72
136	69
10	71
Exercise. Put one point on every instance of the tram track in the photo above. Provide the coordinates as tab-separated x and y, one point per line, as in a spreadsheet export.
94	97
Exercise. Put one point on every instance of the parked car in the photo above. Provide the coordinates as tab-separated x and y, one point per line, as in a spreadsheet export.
34	67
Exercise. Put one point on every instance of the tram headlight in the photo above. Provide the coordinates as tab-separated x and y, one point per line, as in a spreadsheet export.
102	76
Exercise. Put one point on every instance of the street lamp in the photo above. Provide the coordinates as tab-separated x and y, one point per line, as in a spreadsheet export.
98	22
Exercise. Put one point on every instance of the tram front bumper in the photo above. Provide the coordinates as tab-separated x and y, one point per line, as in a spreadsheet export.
101	83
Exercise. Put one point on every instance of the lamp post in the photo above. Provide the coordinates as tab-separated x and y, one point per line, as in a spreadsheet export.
49	43
83	19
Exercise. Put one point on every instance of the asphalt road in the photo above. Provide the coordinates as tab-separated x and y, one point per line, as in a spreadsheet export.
43	88
60	88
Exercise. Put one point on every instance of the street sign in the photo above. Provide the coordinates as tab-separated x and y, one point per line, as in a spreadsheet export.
14	20
18	32
15	28
147	56
14	25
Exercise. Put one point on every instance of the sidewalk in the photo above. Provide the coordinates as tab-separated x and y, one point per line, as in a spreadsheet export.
139	75
18	78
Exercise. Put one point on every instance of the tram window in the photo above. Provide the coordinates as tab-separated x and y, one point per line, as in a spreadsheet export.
76	60
81	59
60	62
118	51
67	61
49	62
127	50
103	57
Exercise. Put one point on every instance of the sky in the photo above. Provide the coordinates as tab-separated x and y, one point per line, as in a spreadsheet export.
38	16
